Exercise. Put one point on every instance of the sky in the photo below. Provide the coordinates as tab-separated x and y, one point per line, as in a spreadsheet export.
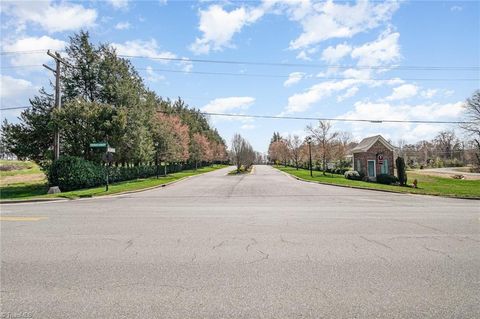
401	60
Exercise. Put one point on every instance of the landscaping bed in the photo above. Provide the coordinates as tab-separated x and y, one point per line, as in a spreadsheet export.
427	185
29	191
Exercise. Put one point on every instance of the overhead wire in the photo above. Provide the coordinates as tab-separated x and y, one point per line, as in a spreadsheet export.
377	121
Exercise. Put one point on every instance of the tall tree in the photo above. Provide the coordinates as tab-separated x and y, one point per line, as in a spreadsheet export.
170	138
81	123
472	128
242	152
324	139
447	143
294	144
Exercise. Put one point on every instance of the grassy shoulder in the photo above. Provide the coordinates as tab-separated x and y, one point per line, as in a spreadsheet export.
427	185
38	190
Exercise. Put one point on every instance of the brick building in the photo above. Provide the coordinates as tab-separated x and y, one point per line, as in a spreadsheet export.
373	156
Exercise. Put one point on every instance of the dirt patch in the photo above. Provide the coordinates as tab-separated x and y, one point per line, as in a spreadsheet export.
446	174
26	178
13	167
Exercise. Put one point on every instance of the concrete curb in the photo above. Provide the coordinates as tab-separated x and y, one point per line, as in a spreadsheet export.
58	199
36	200
376	190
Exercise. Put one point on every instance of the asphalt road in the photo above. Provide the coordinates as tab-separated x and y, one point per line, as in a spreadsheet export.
255	246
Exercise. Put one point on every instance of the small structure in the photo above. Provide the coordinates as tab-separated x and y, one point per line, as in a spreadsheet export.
373	156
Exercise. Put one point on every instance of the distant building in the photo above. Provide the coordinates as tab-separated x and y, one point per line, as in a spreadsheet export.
373	156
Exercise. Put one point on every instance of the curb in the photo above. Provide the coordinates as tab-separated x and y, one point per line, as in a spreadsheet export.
376	190
19	201
36	200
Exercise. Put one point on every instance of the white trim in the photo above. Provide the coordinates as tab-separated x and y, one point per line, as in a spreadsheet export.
374	168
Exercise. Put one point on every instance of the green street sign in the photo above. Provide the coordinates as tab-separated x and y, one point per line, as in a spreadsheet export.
93	145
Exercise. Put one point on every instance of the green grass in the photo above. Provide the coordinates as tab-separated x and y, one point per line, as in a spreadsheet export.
21	168
427	185
37	190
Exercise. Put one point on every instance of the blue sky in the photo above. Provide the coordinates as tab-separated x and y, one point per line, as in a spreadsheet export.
364	38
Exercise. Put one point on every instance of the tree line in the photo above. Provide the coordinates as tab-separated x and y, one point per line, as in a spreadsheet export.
330	148
105	99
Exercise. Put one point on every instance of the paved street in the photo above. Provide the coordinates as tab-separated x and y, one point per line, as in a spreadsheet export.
255	246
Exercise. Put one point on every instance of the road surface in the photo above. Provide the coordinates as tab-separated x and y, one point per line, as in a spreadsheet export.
254	246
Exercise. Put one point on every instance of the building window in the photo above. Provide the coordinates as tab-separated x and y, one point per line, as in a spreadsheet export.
371	169
384	167
358	168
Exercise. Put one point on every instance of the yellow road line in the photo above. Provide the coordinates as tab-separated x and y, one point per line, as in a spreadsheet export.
20	219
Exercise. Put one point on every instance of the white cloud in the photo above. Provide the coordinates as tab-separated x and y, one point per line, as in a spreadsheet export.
247	127
385	49
293	78
219	26
429	93
122	26
408	131
301	102
153	76
118	4
221	105
15	92
52	17
305	54
402	92
326	20
335	54
456	8
33	43
149	49
350	92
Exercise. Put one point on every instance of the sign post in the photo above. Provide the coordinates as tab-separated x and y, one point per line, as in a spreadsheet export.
107	158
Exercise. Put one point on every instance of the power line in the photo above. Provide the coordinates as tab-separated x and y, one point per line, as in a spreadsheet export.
264	75
305	118
287	76
302	65
336	119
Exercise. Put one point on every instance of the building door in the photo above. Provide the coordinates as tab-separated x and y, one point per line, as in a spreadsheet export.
371	169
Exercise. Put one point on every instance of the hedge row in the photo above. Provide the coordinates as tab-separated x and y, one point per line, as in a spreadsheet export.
71	173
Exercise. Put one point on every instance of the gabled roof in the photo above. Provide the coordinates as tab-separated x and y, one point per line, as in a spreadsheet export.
368	142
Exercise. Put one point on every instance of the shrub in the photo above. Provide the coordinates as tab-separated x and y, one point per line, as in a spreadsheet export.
70	173
386	179
354	175
401	170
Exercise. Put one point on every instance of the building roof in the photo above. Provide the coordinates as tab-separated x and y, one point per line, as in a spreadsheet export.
368	142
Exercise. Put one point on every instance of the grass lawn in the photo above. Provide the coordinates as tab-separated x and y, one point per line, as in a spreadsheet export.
36	190
428	185
9	168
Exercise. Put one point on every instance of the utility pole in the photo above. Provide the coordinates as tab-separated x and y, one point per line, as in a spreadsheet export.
309	142
58	97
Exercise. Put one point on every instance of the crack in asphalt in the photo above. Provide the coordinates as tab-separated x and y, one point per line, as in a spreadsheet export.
438	252
373	241
264	257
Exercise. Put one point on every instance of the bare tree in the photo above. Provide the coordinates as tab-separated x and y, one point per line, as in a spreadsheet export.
342	145
324	138
446	143
294	144
242	152
472	115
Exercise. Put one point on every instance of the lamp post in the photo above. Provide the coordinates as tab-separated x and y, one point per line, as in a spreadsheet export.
309	142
